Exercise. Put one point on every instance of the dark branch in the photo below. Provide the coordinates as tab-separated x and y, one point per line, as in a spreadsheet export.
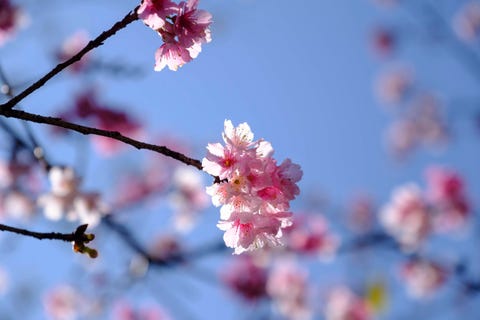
18	114
98	41
78	236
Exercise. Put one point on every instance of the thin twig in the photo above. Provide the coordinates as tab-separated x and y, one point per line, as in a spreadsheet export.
98	41
18	114
68	237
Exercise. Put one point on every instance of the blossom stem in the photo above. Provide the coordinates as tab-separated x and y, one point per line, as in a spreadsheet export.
98	41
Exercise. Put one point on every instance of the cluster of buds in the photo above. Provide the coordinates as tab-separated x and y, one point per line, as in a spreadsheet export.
183	29
81	239
254	191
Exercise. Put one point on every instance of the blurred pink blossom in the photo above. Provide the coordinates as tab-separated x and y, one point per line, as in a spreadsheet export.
466	21
287	285
188	197
447	194
422	278
17	205
407	217
309	234
125	311
64	303
10	19
245	277
393	85
65	200
343	304
421	125
383	41
71	46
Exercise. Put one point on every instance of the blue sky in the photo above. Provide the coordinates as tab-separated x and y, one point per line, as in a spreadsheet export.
300	73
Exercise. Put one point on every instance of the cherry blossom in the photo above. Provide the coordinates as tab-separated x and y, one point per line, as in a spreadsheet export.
254	192
422	277
343	304
71	46
447	194
17	205
407	217
188	197
65	200
10	19
246	278
309	234
393	85
64	303
124	311
287	285
182	27
466	22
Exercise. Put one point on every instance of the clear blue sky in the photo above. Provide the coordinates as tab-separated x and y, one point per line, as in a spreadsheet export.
301	73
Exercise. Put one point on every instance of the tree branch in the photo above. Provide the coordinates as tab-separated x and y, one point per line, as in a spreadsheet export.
98	41
78	236
18	114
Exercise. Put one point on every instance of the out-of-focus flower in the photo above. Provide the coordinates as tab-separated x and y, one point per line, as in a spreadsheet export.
422	278
64	303
246	278
447	194
125	311
309	234
383	41
343	304
407	217
254	192
188	197
183	29
165	247
10	19
287	285
87	107
361	213
393	85
466	21
17	205
71	47
421	125
65	199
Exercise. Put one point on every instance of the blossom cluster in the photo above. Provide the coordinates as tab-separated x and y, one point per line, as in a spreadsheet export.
183	29
66	200
254	191
10	18
412	214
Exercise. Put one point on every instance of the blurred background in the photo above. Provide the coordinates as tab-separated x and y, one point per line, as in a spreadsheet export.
377	101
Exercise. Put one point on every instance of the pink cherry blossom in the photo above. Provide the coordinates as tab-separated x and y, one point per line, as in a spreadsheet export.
422	278
10	19
407	217
343	304
183	28
154	12
287	285
254	192
124	311
466	22
187	198
64	303
246	278
71	47
65	200
447	194
309	234
393	85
